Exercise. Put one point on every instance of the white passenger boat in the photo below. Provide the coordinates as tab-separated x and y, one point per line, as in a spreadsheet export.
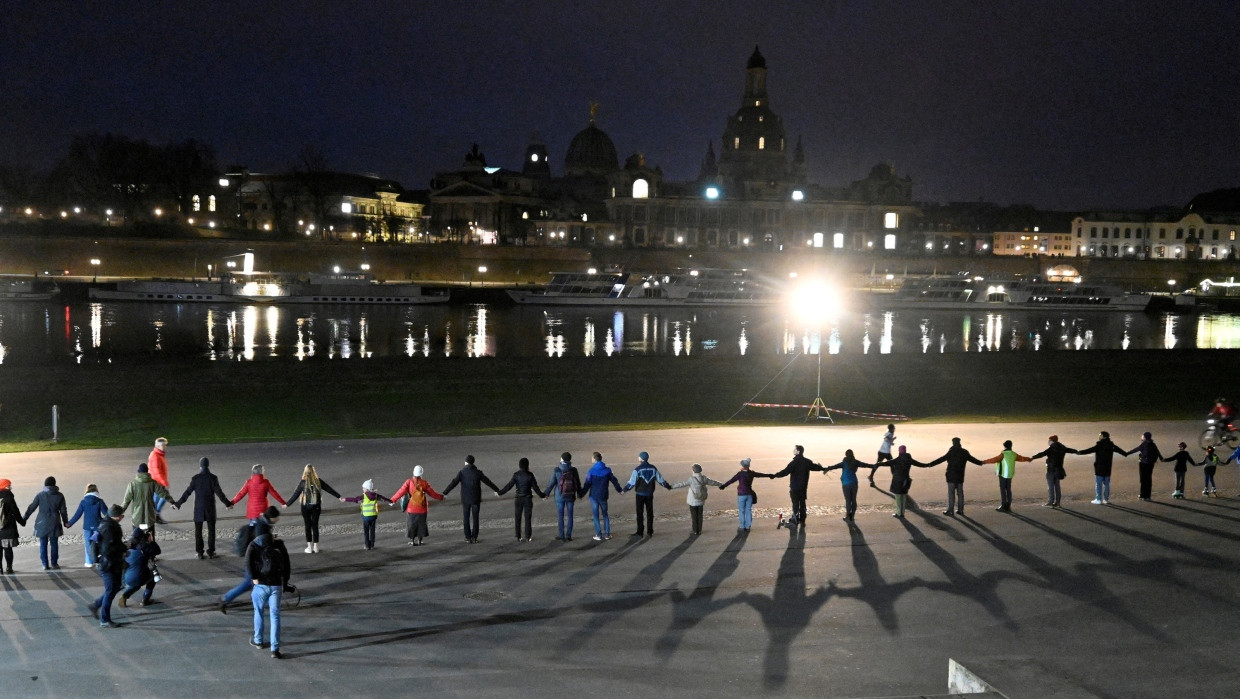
684	287
975	293
270	287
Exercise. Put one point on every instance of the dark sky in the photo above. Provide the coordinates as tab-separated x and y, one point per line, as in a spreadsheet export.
1069	105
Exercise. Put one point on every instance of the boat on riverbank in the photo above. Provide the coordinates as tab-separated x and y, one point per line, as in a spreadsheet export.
976	293
693	287
271	287
26	289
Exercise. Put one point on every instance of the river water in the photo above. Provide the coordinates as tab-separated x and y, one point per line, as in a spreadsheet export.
32	333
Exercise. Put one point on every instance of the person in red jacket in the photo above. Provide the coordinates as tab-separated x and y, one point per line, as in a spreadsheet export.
157	464
257	489
417	489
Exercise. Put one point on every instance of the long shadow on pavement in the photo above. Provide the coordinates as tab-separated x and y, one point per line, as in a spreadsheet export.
983	589
689	610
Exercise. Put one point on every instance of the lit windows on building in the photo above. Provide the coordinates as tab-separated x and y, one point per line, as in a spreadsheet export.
197	203
891	220
641	189
837	241
761	142
211	202
889	241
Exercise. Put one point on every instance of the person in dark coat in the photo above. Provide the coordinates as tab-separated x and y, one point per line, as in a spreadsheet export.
900	479
1147	455
1104	451
523	503
10	518
1054	453
111	564
49	525
140	566
1182	459
798	471
471	480
957	457
91	510
204	485
565	485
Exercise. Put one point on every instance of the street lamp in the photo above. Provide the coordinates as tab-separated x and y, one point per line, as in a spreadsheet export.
814	302
94	263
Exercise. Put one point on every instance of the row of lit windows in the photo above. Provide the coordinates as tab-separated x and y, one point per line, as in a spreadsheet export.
1162	233
197	202
736	143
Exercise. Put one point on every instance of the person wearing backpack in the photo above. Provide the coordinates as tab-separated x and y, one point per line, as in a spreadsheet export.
471	479
267	568
263	524
206	489
643	480
696	498
370	511
90	510
10	518
111	564
310	490
48	524
565	485
140	566
523	503
416	490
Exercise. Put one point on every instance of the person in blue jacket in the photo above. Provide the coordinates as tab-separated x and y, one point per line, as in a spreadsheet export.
140	566
91	510
597	480
848	481
645	477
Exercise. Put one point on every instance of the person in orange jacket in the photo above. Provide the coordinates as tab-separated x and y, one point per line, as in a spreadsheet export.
157	464
257	488
418	489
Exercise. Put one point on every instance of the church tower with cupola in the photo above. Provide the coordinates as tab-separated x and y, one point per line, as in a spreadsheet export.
754	149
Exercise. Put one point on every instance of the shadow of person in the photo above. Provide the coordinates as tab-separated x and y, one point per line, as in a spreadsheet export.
689	610
981	589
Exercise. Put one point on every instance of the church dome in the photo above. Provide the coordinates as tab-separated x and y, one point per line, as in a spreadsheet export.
591	153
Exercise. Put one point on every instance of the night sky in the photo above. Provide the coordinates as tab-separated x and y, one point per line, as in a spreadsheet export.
1063	105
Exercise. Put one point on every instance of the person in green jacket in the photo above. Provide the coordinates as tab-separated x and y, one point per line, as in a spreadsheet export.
1005	469
140	494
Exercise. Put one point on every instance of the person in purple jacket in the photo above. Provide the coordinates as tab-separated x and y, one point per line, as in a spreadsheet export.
746	497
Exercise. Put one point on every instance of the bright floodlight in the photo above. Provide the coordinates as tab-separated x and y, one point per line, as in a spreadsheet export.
482	269
813	301
712	192
223	181
797	195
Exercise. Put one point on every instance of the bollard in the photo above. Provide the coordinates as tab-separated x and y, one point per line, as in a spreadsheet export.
55	423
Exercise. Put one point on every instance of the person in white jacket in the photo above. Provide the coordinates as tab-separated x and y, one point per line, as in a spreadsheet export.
697	495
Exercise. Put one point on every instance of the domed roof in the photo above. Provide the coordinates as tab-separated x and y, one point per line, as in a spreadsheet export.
591	153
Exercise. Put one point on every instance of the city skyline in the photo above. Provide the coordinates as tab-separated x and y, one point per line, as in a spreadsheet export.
1070	108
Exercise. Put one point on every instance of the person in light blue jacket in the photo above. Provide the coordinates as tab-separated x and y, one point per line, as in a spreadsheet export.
91	510
597	479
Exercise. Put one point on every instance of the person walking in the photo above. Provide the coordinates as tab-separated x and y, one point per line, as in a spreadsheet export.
111	565
957	458
696	497
206	489
10	519
310	491
369	500
1055	473
471	479
848	481
746	496
798	471
643	480
565	485
257	488
901	481
523	503
264	524
50	522
91	510
268	568
1104	451
1005	468
1182	459
157	464
1147	455
140	567
416	490
884	449
141	494
1210	462
597	480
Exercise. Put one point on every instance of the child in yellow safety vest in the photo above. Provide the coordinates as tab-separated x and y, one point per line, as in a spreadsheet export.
370	511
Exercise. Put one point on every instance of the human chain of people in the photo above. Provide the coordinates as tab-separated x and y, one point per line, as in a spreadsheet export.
128	564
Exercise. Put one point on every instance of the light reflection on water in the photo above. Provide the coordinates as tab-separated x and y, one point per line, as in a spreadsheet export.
101	331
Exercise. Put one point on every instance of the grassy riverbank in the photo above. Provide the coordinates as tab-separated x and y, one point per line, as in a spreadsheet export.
129	403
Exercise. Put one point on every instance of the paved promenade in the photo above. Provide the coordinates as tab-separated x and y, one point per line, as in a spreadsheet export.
1134	599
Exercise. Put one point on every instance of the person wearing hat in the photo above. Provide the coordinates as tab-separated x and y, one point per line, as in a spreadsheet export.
643	480
1182	459
206	489
141	494
598	478
417	489
139	566
369	500
565	485
1054	453
1148	455
957	458
471	479
696	498
91	510
1210	462
111	564
798	471
523	503
257	488
10	518
1104	451
50	503
310	490
157	465
746	496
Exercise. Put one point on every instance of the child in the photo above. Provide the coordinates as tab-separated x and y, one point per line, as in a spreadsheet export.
140	566
91	510
370	511
1211	463
1182	459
